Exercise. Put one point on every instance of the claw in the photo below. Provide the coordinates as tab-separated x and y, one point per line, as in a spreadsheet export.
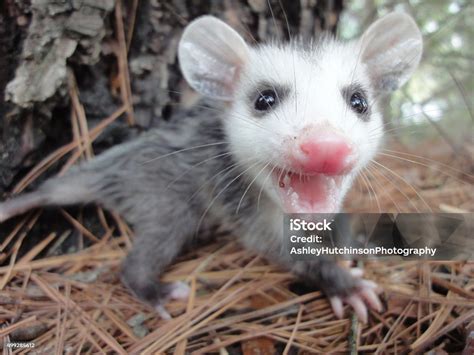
337	306
359	307
363	298
372	299
163	313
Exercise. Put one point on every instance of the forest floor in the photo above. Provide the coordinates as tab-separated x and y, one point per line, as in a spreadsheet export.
74	301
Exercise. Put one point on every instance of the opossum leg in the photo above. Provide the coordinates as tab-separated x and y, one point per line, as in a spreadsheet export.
153	250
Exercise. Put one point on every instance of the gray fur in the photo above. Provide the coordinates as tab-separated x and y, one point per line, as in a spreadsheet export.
183	178
166	195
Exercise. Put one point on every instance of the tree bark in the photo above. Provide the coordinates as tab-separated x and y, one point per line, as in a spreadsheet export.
42	40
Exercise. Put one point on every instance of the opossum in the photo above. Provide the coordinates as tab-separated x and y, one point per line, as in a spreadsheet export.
282	128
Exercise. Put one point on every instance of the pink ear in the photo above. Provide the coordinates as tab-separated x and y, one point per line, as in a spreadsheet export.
391	49
211	55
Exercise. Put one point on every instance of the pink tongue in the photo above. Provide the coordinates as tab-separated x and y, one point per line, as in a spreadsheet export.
308	194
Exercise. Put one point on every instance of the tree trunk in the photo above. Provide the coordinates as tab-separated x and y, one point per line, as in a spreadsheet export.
47	47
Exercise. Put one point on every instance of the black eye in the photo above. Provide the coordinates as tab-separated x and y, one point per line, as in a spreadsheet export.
359	103
265	100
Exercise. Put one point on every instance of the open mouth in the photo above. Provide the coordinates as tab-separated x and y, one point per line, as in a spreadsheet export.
305	193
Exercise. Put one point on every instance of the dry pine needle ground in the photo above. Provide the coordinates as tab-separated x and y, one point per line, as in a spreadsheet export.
76	303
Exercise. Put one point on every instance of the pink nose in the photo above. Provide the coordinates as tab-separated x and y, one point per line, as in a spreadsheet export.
325	153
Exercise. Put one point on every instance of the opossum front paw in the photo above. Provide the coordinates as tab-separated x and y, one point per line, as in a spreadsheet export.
342	286
173	291
361	298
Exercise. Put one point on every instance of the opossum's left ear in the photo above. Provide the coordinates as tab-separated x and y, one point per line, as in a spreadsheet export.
391	48
211	55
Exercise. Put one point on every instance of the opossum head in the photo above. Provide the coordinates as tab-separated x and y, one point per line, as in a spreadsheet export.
305	112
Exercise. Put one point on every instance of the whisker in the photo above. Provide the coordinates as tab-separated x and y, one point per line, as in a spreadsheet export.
183	150
220	193
414	115
375	195
293	54
406	182
230	168
248	187
384	191
428	166
364	180
263	184
231	114
196	165
390	181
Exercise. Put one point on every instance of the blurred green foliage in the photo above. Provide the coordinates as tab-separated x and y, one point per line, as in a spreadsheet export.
442	90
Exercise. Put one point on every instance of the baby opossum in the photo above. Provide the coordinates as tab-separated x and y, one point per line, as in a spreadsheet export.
285	128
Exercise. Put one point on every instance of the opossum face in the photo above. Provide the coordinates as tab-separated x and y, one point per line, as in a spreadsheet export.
306	114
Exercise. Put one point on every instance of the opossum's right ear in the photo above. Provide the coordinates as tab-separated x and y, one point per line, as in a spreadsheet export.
211	55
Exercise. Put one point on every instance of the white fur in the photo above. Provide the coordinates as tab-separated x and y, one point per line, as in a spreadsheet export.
316	79
316	76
